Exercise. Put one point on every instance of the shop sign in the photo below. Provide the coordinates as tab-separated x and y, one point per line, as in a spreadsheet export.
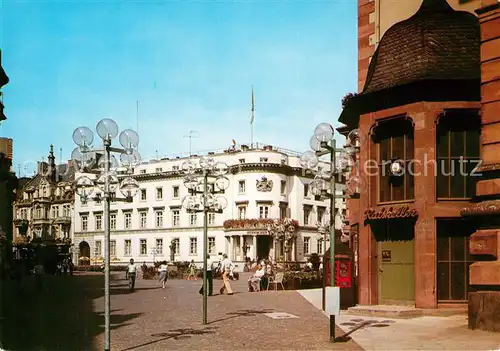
391	212
386	256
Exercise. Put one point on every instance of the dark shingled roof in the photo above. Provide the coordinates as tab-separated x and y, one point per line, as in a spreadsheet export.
437	43
432	56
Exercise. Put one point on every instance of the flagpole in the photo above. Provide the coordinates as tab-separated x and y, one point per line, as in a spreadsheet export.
251	120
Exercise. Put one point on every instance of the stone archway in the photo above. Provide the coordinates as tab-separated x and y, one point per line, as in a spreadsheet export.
84	253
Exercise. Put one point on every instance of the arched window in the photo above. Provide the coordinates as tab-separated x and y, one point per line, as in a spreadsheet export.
394	143
457	152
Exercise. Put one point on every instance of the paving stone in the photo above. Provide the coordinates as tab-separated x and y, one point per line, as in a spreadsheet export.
68	315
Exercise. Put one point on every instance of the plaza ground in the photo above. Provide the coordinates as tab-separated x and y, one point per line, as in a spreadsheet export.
68	315
422	333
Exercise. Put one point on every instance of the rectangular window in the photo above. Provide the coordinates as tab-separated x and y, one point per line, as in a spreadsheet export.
112	248
143	216
307	242
242	212
98	248
158	170
283	187
458	140
159	193
159	219
453	260
142	171
320	214
98	198
143	244
193	246
211	246
211	218
128	247
176	245
193	219
112	221
85	223
241	187
175	191
159	246
66	211
128	220
144	195
176	218
319	246
306	190
283	211
307	214
395	145
263	211
98	222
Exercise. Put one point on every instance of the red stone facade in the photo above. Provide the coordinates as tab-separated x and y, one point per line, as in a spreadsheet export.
366	28
484	305
424	116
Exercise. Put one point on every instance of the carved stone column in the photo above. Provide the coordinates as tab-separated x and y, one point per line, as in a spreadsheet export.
255	247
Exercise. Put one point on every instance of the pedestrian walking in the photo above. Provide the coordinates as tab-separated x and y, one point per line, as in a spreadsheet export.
212	266
131	269
163	274
192	271
227	270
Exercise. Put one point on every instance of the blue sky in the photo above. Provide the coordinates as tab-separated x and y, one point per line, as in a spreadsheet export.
191	64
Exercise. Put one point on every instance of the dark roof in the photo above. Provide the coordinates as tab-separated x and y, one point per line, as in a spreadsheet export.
65	173
432	56
435	43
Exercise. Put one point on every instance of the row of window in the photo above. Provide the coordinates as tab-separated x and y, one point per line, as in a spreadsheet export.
143	220
158	249
307	246
457	156
42	212
176	191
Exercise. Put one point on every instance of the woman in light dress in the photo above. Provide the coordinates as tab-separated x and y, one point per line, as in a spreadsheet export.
163	273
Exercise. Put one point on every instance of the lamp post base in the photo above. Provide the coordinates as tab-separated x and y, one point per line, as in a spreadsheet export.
332	328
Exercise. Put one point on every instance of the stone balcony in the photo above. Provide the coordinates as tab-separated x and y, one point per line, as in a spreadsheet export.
62	220
39	221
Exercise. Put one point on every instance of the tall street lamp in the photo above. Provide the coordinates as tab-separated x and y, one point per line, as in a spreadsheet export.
324	185
85	156
206	179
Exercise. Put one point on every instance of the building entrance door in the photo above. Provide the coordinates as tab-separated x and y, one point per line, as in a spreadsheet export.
396	271
264	243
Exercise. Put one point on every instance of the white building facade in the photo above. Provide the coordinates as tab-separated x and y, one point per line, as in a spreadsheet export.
265	183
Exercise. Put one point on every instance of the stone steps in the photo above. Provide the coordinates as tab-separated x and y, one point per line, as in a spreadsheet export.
402	312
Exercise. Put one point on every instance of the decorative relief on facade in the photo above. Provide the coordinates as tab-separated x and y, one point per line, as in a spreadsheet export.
392	212
482	209
264	184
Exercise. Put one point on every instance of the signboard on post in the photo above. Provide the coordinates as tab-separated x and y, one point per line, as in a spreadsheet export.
332	307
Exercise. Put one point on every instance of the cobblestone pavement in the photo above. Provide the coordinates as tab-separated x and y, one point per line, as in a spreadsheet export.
170	319
68	315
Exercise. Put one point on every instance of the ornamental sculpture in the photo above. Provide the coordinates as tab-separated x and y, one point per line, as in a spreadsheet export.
391	212
264	184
